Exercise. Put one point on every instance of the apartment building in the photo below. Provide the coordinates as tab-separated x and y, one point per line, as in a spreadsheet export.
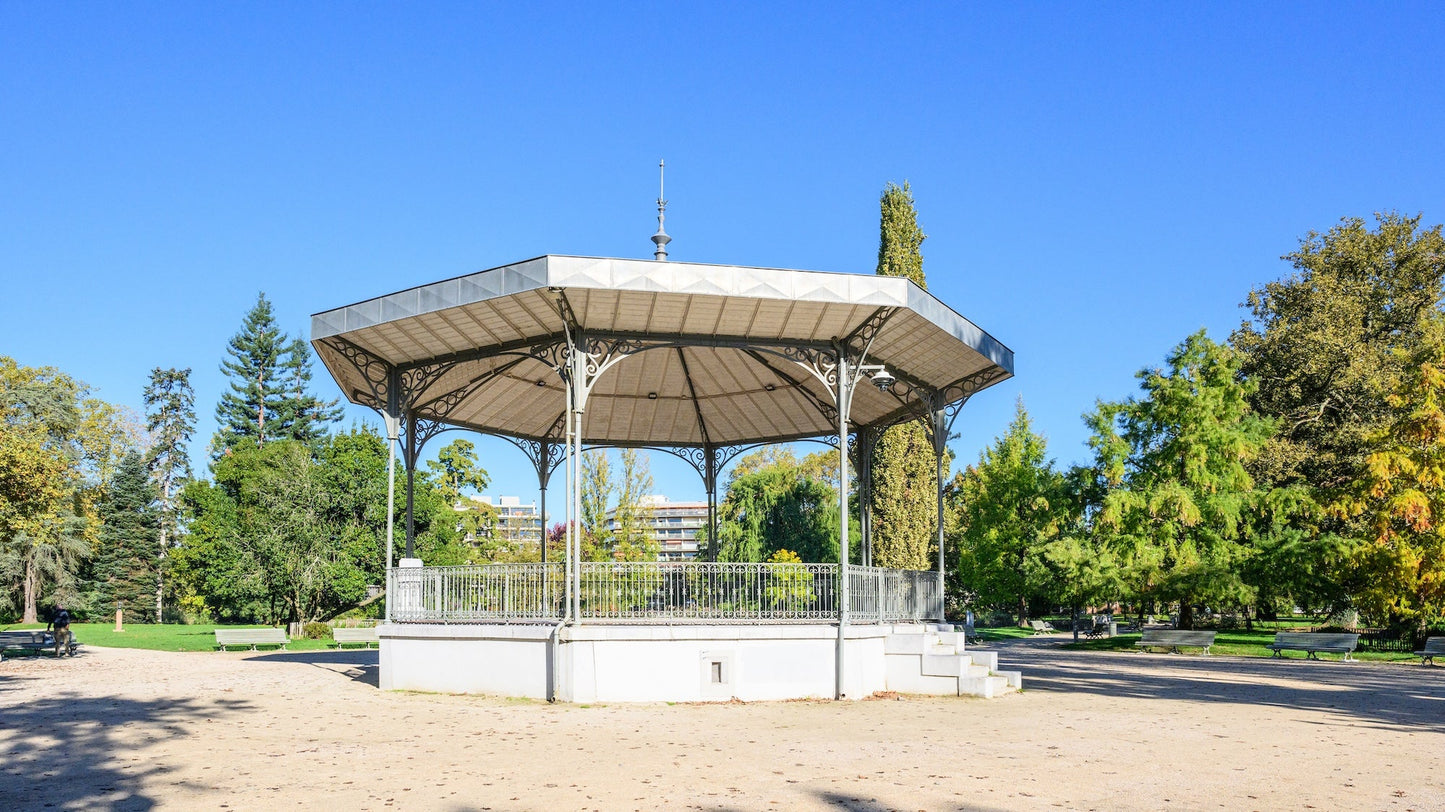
674	526
517	524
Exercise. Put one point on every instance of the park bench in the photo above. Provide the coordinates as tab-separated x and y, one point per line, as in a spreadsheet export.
364	637
251	638
1433	647
31	642
1041	626
1312	643
1173	640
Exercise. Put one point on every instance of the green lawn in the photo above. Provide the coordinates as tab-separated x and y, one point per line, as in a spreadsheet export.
1236	643
1004	633
159	637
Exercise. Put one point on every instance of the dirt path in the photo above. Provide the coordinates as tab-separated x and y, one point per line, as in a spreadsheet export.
129	729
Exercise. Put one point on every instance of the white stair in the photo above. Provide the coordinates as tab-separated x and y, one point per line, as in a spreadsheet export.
931	659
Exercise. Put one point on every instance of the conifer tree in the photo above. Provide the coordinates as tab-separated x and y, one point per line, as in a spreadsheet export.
904	476
1178	493
124	565
251	412
170	405
1011	506
304	416
270	397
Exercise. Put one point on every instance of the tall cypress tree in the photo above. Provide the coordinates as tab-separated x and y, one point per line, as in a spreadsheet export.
125	563
170	405
904	477
251	412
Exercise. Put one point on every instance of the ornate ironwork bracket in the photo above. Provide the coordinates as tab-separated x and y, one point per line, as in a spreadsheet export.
374	371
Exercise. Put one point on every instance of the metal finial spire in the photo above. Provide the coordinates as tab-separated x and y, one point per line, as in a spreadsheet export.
660	239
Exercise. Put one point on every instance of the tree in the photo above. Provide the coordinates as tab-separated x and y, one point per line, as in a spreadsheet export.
44	504
905	508
304	416
456	470
126	557
1010	507
269	397
1402	497
251	411
774	501
170	406
597	489
1177	491
288	531
1327	346
632	537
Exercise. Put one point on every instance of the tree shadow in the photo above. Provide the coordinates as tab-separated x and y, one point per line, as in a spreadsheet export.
357	664
854	803
67	751
1390	696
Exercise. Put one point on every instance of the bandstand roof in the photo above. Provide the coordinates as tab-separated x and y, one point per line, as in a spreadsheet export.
713	351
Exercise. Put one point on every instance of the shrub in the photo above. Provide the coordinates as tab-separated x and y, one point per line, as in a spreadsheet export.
316	631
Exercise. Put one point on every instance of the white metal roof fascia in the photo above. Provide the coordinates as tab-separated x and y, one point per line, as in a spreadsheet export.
602	273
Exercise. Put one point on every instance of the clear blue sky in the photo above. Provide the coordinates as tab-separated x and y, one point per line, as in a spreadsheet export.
1096	181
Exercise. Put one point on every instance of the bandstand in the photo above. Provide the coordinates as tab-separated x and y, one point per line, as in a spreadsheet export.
561	353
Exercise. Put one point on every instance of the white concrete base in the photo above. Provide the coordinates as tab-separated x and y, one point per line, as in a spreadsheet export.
682	663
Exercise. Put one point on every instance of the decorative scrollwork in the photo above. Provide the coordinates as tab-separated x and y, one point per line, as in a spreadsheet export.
602	353
425	429
442	405
553	354
967	387
376	372
415	381
820	364
545	455
860	340
696	456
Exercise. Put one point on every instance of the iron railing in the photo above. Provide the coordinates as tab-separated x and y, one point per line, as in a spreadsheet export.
661	592
485	593
880	595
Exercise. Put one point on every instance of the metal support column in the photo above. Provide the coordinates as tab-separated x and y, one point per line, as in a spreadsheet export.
544	476
845	397
570	529
710	483
940	448
392	431
411	455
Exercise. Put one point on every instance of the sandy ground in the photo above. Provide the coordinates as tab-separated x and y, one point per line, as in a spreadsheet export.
125	729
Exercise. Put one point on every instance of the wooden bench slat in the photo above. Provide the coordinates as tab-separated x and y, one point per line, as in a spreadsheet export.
1434	647
251	637
363	636
1314	642
1174	638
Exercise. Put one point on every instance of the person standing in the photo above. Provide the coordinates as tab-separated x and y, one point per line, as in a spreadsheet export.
60	622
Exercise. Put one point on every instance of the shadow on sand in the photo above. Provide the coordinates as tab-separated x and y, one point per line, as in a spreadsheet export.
67	751
357	664
1387	695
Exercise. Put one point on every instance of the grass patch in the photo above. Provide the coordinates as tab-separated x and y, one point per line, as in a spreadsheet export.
160	636
1003	633
1237	644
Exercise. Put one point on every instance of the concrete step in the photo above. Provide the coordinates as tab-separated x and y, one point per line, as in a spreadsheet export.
917	644
951	666
986	687
988	659
1015	678
954	639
